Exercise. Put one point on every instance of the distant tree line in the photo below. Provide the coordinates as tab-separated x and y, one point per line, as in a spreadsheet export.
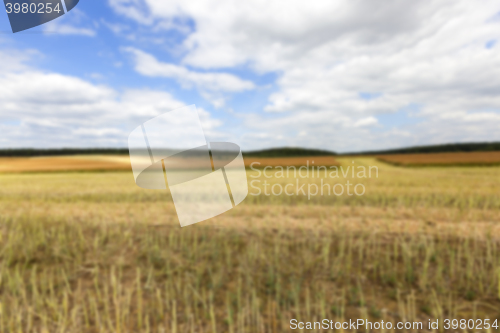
444	148
273	152
29	152
288	152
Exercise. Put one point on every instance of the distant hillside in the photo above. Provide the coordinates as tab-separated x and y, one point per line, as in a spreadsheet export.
444	148
288	152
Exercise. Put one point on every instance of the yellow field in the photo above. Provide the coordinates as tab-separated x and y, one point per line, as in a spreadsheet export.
260	162
64	163
92	252
122	162
472	158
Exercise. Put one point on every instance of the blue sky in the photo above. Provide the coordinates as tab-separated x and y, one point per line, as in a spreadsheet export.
327	75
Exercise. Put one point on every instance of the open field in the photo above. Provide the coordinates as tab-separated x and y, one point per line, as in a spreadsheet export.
260	162
65	163
122	162
443	159
92	252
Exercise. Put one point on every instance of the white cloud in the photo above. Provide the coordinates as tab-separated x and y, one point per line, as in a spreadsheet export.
43	109
14	60
431	54
76	23
134	9
38	88
368	121
148	65
66	29
424	61
116	28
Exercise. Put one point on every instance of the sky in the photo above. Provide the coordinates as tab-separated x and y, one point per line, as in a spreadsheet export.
342	75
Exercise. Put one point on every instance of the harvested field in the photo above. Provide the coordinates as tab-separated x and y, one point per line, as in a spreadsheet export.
122	162
291	161
92	252
439	159
64	163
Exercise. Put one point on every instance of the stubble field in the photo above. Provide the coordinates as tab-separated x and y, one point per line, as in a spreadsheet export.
92	252
444	159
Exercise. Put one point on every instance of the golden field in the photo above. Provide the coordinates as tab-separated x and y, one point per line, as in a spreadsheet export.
92	252
436	159
64	163
122	162
260	162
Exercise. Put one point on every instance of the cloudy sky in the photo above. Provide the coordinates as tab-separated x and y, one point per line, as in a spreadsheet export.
340	75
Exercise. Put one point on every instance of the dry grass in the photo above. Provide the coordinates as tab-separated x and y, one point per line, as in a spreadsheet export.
122	162
65	163
290	161
115	163
92	252
473	158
